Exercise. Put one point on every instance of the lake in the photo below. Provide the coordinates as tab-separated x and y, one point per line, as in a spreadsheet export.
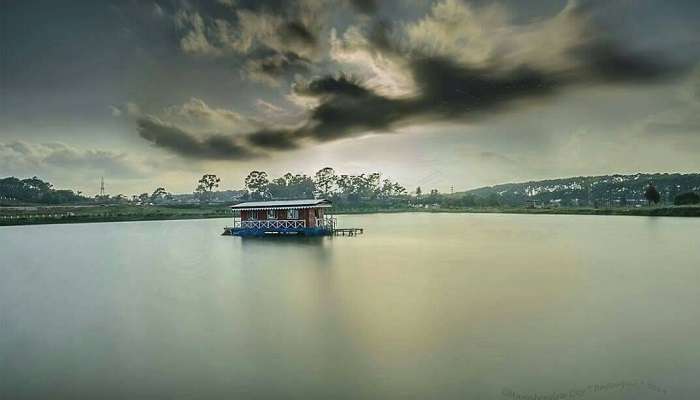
422	306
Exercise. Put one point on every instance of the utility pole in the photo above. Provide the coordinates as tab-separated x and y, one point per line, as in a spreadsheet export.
102	186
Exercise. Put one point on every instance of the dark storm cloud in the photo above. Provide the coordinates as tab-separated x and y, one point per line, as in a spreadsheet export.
447	88
176	140
447	91
343	85
607	61
274	66
270	6
380	36
273	139
296	31
451	90
364	6
348	108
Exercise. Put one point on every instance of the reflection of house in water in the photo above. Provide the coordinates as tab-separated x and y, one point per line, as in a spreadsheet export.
285	217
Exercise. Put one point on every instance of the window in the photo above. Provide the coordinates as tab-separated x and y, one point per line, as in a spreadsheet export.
271	214
292	214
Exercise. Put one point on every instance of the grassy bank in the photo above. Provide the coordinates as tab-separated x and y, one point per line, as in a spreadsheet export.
31	215
86	214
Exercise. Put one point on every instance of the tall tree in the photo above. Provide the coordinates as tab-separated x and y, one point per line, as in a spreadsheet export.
34	190
205	187
391	189
399	190
302	186
325	180
159	194
143	198
291	187
370	185
345	186
651	194
257	185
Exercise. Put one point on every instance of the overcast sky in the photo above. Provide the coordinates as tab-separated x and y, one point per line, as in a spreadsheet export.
431	93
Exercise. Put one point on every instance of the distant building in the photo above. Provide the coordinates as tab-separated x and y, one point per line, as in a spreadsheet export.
555	203
533	204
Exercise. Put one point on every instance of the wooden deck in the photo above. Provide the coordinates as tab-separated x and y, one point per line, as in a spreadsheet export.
273	229
348	231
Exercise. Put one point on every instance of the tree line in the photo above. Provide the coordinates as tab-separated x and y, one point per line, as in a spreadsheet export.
350	191
326	183
35	190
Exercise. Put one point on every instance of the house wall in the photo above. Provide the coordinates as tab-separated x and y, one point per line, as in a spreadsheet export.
306	214
256	214
309	217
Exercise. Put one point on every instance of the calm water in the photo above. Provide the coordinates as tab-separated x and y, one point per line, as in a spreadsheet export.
423	306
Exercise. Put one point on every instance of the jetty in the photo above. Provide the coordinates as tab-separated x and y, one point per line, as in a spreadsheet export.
347	231
286	217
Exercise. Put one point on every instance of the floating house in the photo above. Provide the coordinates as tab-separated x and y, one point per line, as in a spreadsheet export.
282	217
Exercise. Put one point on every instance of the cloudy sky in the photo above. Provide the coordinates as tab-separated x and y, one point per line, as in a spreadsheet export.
432	93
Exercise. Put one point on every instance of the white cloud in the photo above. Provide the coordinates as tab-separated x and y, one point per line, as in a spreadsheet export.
128	109
274	114
27	159
306	103
270	109
116	112
384	74
472	36
487	36
132	109
253	29
195	40
198	117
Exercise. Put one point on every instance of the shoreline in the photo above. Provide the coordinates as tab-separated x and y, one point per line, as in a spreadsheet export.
97	214
676	211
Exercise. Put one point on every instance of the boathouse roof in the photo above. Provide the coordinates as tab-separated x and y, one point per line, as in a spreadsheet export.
281	204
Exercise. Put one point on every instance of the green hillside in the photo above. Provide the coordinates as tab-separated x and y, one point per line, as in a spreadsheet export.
603	191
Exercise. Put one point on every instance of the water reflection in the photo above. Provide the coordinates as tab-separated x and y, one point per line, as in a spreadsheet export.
420	306
296	240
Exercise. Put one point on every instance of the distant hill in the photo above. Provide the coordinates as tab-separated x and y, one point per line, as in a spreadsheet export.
603	190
